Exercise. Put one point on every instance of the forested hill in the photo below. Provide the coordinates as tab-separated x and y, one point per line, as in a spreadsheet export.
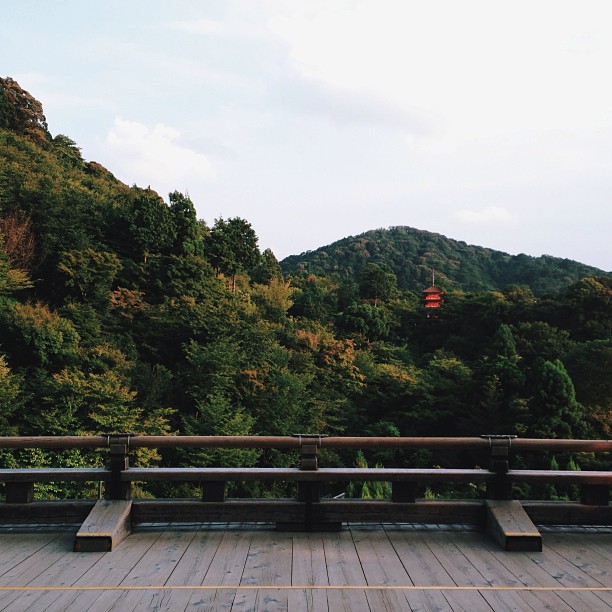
120	311
412	253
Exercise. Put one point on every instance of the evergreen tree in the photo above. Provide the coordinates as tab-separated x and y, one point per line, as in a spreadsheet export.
555	413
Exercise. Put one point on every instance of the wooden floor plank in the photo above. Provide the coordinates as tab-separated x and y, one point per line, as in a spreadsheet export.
520	565
582	556
153	569
419	561
190	570
466	601
225	569
269	562
528	570
504	601
195	563
40	559
562	570
33	565
381	567
427	601
501	570
16	547
583	600
488	565
422	567
308	569
600	543
365	569
109	569
344	569
65	572
460	569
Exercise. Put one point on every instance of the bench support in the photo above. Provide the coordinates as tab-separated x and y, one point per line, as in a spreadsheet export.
108	523
509	525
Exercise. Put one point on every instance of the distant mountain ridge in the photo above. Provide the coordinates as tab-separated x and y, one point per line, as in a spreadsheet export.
413	253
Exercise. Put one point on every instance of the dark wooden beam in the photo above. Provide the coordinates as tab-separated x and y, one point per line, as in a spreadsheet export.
108	524
510	526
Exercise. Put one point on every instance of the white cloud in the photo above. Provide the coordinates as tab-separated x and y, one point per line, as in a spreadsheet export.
207	27
231	28
490	215
154	155
485	68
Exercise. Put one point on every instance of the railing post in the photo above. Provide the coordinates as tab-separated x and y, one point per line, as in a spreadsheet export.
403	492
309	461
213	491
501	486
19	492
595	495
118	462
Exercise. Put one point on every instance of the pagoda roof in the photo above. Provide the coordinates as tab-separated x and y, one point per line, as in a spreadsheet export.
432	289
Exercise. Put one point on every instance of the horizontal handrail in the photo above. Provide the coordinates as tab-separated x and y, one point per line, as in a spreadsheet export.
295	442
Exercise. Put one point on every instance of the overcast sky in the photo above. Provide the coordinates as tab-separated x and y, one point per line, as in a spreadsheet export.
485	121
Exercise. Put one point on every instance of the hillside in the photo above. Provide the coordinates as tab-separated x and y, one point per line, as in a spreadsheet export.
412	254
121	312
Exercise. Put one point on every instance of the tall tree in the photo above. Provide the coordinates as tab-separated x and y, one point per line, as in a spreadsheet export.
377	282
21	112
555	413
188	230
232	247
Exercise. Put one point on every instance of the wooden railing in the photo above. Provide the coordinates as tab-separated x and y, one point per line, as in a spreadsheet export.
309	509
118	475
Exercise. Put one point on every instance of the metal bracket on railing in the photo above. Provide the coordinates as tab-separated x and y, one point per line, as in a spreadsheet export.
309	445
500	445
118	461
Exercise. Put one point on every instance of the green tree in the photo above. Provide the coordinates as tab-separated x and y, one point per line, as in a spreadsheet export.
11	399
89	275
232	248
34	336
188	229
153	225
554	411
370	321
274	299
20	112
267	268
377	282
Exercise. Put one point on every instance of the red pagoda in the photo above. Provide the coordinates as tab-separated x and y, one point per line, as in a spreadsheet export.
432	296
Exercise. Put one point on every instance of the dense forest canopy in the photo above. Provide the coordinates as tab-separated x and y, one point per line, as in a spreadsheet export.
121	312
412	254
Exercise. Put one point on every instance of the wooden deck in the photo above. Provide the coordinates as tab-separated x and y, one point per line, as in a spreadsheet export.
252	567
